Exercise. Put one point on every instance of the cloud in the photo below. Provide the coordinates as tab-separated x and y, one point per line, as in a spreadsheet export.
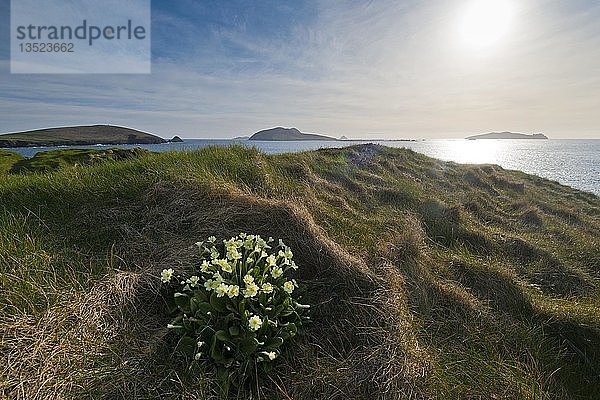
353	68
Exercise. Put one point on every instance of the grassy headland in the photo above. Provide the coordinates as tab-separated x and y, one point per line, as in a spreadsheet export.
428	279
78	135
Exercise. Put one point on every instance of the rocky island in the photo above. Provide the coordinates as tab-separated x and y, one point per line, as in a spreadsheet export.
287	134
79	136
507	135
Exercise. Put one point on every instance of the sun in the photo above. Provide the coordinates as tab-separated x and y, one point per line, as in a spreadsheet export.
483	23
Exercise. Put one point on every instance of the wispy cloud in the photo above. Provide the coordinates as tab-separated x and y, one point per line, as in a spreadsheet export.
353	68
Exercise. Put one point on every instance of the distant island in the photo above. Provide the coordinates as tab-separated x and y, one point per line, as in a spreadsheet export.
287	134
507	135
80	136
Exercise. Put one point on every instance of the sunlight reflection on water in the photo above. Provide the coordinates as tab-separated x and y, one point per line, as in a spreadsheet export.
572	162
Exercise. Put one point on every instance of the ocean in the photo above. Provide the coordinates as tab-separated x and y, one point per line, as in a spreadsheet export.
575	163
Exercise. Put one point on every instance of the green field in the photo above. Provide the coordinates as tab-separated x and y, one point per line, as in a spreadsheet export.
427	279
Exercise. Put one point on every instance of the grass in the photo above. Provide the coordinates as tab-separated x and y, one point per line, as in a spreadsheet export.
428	279
8	159
45	161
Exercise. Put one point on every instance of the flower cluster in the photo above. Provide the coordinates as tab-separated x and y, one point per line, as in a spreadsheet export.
240	304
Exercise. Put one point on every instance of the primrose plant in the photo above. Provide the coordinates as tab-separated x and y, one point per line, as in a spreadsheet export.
240	306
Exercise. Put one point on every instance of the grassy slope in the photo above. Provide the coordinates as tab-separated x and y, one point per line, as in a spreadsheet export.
89	134
429	279
45	161
8	159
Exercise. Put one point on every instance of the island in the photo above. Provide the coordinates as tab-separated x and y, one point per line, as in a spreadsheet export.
78	136
287	134
507	135
176	139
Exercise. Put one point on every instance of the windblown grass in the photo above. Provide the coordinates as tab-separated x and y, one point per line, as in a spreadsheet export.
428	279
8	159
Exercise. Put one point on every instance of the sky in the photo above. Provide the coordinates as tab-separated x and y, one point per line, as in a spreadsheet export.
363	69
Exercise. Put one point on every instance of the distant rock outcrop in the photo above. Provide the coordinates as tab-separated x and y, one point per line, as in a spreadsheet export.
286	134
176	139
78	136
507	135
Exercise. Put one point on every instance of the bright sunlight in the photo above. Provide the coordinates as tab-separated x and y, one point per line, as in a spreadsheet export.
484	23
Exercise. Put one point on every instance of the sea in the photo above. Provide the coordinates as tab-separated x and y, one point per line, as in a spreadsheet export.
575	163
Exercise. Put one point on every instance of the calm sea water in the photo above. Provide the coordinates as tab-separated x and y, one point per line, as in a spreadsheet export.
572	162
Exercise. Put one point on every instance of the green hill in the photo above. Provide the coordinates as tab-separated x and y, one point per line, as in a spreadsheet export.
78	135
428	279
286	134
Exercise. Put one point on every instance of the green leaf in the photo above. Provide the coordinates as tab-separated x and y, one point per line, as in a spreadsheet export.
215	350
193	305
218	303
183	302
287	311
292	329
200	295
223	375
234	330
186	345
278	310
222	336
232	308
248	345
204	308
273	343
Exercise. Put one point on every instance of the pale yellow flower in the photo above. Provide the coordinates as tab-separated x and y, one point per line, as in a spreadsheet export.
276	272
217	277
233	291
222	290
288	287
205	267
267	287
223	264
254	323
166	275
193	281
248	279
251	290
233	254
209	285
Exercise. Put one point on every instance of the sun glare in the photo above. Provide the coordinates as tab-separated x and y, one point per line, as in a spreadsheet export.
484	23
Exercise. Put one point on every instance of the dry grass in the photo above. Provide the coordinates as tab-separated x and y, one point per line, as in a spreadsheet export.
423	284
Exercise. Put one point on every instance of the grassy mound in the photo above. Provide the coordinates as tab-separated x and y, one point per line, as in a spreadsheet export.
46	161
8	159
428	279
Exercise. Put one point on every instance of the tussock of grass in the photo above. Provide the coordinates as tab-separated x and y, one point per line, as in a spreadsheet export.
45	161
427	279
8	159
